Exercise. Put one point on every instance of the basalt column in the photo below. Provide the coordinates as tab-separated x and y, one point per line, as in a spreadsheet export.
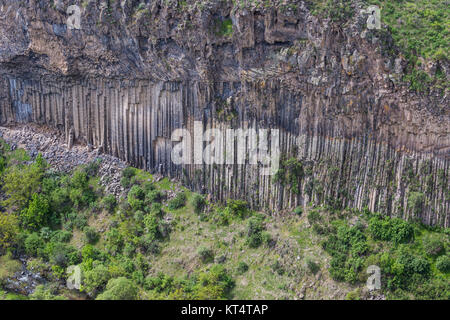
340	163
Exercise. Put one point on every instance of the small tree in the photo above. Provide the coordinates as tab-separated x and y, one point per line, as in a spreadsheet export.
119	289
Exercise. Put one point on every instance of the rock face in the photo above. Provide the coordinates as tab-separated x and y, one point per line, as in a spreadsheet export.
135	73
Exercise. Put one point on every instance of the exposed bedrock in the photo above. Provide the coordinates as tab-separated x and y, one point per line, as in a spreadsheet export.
360	137
345	161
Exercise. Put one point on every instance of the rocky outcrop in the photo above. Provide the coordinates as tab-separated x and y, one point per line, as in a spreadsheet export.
361	138
50	143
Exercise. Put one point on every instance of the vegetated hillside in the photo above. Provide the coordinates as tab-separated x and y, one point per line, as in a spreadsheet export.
361	113
161	241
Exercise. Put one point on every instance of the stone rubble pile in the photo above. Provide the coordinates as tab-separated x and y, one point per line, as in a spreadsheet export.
52	145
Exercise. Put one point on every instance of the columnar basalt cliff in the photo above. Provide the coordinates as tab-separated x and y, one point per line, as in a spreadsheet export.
133	74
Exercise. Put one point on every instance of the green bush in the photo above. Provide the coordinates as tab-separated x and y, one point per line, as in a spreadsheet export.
242	267
278	268
255	228
33	244
313	267
390	229
91	235
95	280
129	172
109	203
290	173
61	236
125	182
213	284
178	202
61	254
433	246
20	182
44	293
151	223
298	211
37	214
224	28
206	254
238	208
443	264
119	289
346	247
92	168
198	203
8	267
136	198
313	217
157	210
154	196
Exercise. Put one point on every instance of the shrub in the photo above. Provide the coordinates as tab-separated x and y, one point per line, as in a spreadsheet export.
387	229
242	267
119	289
224	28
61	236
37	213
19	183
114	241
223	216
178	202
129	172
91	235
416	200
79	180
313	267
79	220
199	203
206	255
213	284
9	229
298	211
8	267
238	208
152	226
154	196
61	254
43	293
33	244
254	231
92	168
109	203
278	268
353	295
443	264
125	182
157	210
136	198
433	246
313	217
95	280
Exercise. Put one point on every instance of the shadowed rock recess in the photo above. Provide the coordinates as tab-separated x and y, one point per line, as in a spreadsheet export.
134	73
